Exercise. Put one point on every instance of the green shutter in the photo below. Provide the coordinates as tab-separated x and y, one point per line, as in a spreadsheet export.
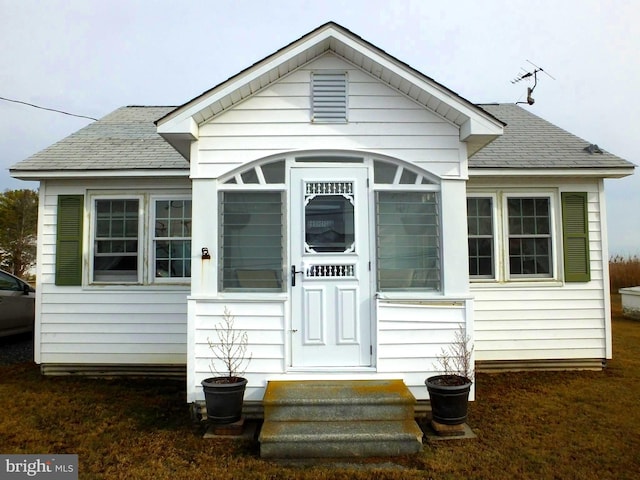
69	240
575	228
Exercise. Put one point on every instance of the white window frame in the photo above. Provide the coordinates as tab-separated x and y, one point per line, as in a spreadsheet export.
501	236
94	198
495	236
555	241
151	277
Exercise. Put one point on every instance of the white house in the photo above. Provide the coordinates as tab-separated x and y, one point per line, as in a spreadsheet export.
348	210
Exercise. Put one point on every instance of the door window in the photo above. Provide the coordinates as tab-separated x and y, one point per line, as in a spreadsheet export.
329	218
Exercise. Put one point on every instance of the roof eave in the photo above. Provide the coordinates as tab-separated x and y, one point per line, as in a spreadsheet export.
592	172
36	175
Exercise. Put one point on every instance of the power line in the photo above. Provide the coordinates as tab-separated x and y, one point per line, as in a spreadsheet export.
45	108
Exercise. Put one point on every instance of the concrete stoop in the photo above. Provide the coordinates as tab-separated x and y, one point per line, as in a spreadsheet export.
325	419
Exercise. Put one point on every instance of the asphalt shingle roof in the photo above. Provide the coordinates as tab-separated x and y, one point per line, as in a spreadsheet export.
122	140
529	142
126	139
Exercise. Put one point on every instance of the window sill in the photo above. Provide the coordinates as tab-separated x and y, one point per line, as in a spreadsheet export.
241	297
419	297
515	284
136	286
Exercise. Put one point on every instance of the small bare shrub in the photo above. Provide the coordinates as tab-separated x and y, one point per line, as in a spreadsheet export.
456	358
230	349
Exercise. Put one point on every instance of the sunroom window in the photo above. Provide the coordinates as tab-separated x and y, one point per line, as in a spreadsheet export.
251	243
116	248
407	241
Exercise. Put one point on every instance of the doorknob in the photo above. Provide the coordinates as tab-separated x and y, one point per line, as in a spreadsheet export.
293	275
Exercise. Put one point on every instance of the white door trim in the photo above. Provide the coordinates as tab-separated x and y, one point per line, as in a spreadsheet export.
331	304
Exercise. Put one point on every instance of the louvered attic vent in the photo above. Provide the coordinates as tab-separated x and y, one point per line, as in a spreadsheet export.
329	97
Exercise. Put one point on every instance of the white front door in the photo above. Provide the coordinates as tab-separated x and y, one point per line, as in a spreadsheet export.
330	277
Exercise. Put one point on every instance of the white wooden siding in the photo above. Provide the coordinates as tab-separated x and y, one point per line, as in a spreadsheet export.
278	119
412	336
264	323
106	324
548	320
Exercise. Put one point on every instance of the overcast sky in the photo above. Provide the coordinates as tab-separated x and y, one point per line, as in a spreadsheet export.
91	57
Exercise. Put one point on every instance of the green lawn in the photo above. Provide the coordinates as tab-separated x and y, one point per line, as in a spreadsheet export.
549	425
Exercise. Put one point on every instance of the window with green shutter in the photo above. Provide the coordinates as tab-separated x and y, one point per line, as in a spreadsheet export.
575	228
69	240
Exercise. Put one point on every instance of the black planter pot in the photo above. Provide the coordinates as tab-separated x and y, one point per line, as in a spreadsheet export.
224	399
449	396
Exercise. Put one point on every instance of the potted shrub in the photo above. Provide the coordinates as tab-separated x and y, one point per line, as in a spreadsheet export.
449	391
224	393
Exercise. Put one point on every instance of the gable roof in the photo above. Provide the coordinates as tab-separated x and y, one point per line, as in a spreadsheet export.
531	143
125	139
477	127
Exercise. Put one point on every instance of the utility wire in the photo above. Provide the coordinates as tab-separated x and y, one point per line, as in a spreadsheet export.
45	108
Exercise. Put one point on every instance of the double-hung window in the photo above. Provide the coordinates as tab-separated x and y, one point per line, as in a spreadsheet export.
171	239
116	251
529	230
127	229
481	237
511	236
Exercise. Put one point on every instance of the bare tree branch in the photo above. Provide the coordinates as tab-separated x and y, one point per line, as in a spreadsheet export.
230	349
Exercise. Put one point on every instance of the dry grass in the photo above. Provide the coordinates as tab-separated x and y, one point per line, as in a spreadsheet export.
569	425
624	272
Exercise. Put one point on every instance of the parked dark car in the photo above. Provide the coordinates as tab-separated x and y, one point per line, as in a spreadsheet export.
17	305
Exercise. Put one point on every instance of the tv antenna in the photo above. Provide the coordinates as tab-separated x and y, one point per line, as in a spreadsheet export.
527	75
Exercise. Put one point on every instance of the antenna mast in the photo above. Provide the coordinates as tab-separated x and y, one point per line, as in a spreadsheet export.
527	76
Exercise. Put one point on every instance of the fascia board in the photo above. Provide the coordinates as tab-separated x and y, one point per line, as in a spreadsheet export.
552	172
137	173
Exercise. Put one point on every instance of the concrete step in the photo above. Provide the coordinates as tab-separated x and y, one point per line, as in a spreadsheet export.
339	439
361	400
359	418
